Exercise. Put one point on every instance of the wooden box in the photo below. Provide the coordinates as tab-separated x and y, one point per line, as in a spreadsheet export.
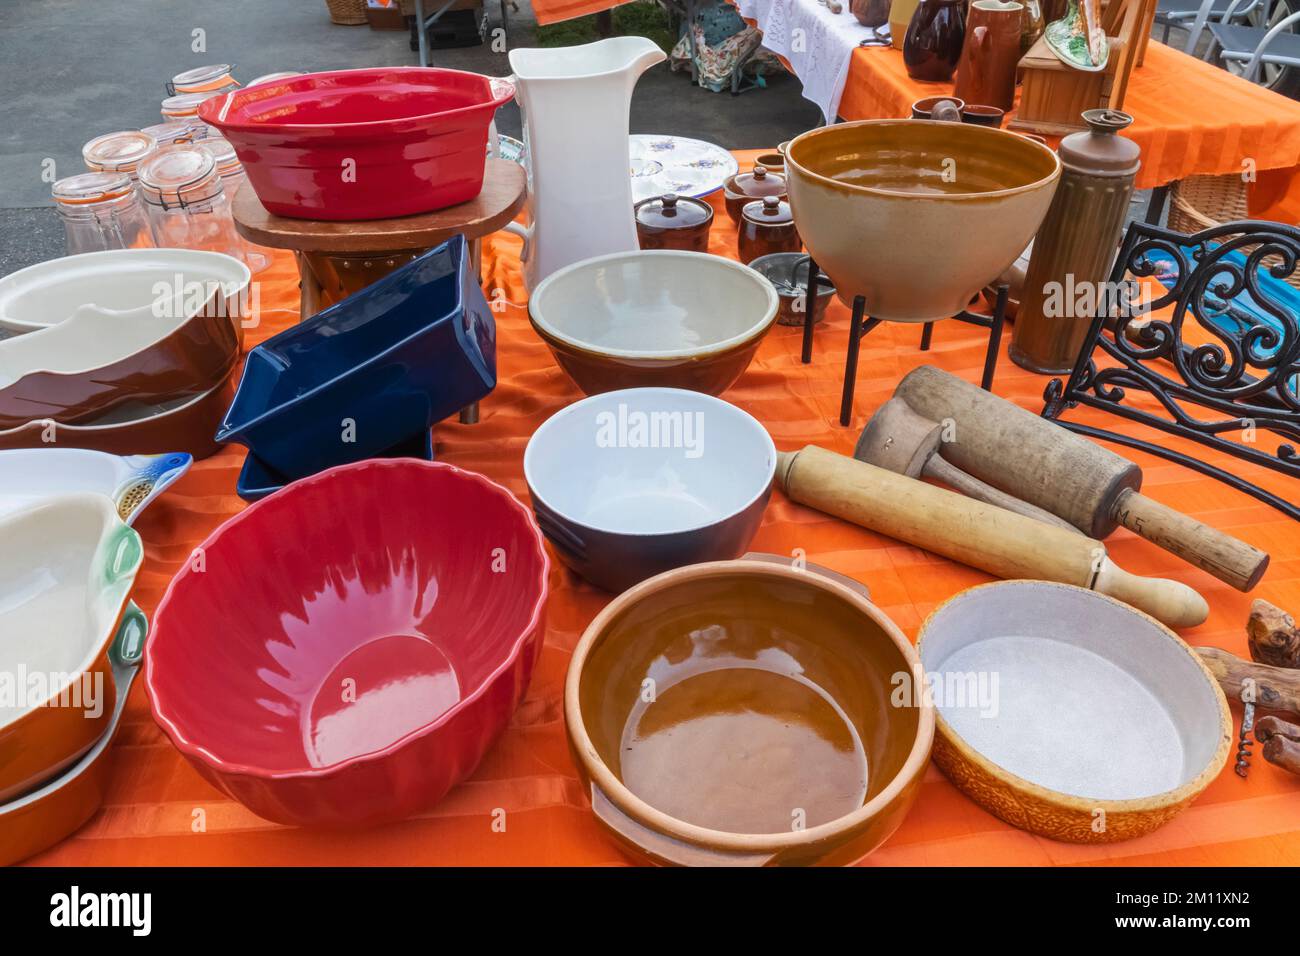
1053	95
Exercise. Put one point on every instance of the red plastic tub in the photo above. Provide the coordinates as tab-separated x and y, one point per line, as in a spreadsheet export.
362	144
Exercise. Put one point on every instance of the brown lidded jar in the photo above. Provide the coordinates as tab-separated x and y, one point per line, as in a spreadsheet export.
1076	245
743	188
767	226
673	222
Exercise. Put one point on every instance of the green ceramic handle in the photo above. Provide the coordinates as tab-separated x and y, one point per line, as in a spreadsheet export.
122	554
127	647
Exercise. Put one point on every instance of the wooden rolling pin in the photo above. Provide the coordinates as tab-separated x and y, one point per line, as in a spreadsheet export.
972	532
1049	466
1276	688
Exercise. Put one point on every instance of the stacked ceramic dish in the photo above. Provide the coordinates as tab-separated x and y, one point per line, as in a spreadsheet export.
415	138
379	662
70	640
130	351
366	377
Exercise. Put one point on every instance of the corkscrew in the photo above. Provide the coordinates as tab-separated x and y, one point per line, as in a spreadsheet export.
1244	741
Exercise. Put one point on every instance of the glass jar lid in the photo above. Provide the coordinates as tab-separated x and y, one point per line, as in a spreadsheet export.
179	175
214	78
768	211
175	131
223	153
758	183
272	77
184	104
118	152
671	211
86	189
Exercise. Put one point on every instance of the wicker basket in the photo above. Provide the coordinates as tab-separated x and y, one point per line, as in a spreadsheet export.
1200	202
347	12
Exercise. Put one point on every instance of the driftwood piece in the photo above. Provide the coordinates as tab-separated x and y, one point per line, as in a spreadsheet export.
1281	742
1273	635
1274	688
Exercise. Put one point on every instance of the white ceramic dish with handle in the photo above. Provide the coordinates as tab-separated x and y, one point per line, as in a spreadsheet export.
66	570
31	475
110	285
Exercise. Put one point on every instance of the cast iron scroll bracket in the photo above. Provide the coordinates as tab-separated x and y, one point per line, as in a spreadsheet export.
1218	380
863	324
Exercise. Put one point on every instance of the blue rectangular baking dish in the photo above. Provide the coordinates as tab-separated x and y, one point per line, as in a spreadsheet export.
256	480
371	371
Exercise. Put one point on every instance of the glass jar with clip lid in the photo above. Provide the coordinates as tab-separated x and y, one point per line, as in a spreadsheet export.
187	202
101	211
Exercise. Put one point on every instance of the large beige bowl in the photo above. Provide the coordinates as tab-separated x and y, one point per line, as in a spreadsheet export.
917	216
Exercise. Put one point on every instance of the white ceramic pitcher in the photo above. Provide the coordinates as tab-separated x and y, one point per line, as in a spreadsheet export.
575	102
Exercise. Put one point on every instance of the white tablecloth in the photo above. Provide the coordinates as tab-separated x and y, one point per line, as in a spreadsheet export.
815	42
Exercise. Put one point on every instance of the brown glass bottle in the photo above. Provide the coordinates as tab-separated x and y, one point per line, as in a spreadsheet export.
1076	246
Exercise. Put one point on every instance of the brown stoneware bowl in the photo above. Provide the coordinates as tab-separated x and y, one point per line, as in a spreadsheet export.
917	217
1070	714
744	713
653	318
923	108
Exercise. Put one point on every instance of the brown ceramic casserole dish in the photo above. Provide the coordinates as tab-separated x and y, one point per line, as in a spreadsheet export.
745	713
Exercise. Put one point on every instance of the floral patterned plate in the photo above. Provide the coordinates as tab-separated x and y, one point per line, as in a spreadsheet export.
675	164
660	164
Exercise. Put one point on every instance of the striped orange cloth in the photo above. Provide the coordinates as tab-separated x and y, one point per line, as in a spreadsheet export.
1189	117
553	11
149	811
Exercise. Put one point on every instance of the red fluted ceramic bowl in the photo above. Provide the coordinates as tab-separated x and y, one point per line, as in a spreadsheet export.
346	650
362	144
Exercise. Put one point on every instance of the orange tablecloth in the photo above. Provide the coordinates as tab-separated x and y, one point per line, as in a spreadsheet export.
553	11
150	808
1189	117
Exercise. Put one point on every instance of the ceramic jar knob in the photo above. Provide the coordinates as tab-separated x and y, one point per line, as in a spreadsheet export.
767	226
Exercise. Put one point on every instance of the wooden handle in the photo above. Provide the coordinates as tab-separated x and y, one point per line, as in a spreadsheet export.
972	532
1283	752
1172	602
1229	559
939	469
1040	462
1281	742
1275	688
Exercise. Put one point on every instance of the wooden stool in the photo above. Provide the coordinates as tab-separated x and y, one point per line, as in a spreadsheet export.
336	259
